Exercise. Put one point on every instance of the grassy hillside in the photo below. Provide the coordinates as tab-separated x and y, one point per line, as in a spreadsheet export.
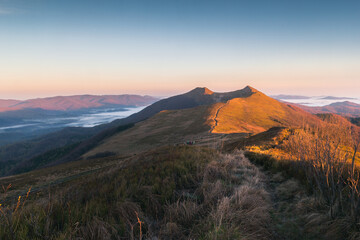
194	98
23	153
165	128
258	113
17	153
326	160
70	152
143	182
207	124
184	192
170	193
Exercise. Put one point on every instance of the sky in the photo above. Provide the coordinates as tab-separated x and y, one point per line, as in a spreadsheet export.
166	47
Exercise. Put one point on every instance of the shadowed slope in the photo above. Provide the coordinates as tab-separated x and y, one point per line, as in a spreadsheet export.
166	127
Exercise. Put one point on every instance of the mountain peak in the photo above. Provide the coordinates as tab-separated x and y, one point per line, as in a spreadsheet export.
202	91
251	89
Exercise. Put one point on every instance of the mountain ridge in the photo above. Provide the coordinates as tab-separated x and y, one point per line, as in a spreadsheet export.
194	98
346	108
246	111
190	116
76	102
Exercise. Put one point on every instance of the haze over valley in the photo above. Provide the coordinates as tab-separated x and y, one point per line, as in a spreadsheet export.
20	120
315	101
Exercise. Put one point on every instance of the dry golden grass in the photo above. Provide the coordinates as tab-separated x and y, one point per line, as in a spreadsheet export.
241	211
258	113
253	114
321	159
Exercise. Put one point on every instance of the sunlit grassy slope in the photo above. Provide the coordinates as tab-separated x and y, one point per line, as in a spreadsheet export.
258	113
253	113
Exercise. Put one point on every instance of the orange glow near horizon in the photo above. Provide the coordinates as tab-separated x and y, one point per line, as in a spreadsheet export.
160	85
320	76
164	48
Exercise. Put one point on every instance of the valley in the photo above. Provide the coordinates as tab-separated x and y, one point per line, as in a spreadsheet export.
19	128
22	120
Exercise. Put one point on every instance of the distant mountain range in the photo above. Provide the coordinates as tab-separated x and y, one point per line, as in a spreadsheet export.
329	104
346	108
337	98
71	103
29	119
285	96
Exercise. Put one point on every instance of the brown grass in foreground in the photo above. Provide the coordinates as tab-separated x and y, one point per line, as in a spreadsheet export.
326	160
171	193
11	216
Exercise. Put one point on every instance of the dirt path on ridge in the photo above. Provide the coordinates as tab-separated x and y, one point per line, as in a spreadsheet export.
216	115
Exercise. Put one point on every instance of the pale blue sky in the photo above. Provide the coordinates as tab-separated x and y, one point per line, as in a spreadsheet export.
167	47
